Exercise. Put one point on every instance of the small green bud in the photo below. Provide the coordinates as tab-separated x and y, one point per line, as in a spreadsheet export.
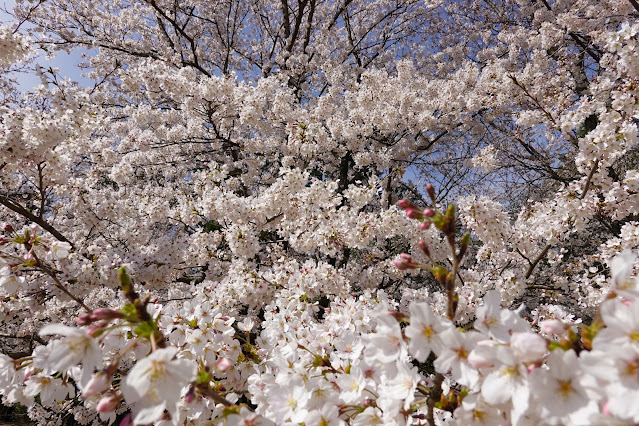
439	272
125	280
465	240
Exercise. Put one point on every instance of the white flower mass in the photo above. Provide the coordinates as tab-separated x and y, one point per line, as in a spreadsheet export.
322	213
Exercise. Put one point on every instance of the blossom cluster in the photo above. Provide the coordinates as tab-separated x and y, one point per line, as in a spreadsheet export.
220	231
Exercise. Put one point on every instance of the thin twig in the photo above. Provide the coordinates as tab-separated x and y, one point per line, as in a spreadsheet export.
58	284
434	397
534	263
589	180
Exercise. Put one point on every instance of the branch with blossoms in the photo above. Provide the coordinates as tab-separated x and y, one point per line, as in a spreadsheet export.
512	359
158	371
29	241
445	223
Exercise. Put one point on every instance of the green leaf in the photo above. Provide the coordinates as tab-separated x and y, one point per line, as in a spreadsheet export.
30	263
439	272
129	310
145	329
203	377
439	221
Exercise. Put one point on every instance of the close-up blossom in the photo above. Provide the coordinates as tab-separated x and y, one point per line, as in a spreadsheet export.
154	384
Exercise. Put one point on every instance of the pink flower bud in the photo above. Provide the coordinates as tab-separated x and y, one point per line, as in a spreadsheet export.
430	189
424	247
190	395
223	364
428	212
98	383
413	213
84	319
109	403
528	347
552	326
96	329
424	226
404	261
404	203
106	314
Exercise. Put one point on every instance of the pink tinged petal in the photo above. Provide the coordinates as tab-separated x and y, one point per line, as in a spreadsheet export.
528	347
624	404
481	357
223	364
108	403
615	314
467	375
98	383
520	401
552	326
621	267
126	421
157	378
445	361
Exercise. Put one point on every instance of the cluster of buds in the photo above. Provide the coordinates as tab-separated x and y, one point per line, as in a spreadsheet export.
445	223
405	261
414	212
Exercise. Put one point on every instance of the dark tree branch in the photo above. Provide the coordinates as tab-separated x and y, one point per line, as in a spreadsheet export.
16	208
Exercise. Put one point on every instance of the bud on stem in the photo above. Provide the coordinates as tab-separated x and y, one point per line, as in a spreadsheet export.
413	213
424	247
439	272
463	246
405	261
125	280
430	189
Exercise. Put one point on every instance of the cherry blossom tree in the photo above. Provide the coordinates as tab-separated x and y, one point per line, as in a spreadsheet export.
232	225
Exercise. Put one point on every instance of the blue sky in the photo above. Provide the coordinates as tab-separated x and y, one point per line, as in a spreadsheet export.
67	63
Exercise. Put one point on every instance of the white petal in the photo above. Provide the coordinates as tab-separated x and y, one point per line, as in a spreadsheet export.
61	329
497	387
149	415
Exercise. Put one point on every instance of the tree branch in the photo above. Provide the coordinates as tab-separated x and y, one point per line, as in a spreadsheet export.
5	201
534	263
